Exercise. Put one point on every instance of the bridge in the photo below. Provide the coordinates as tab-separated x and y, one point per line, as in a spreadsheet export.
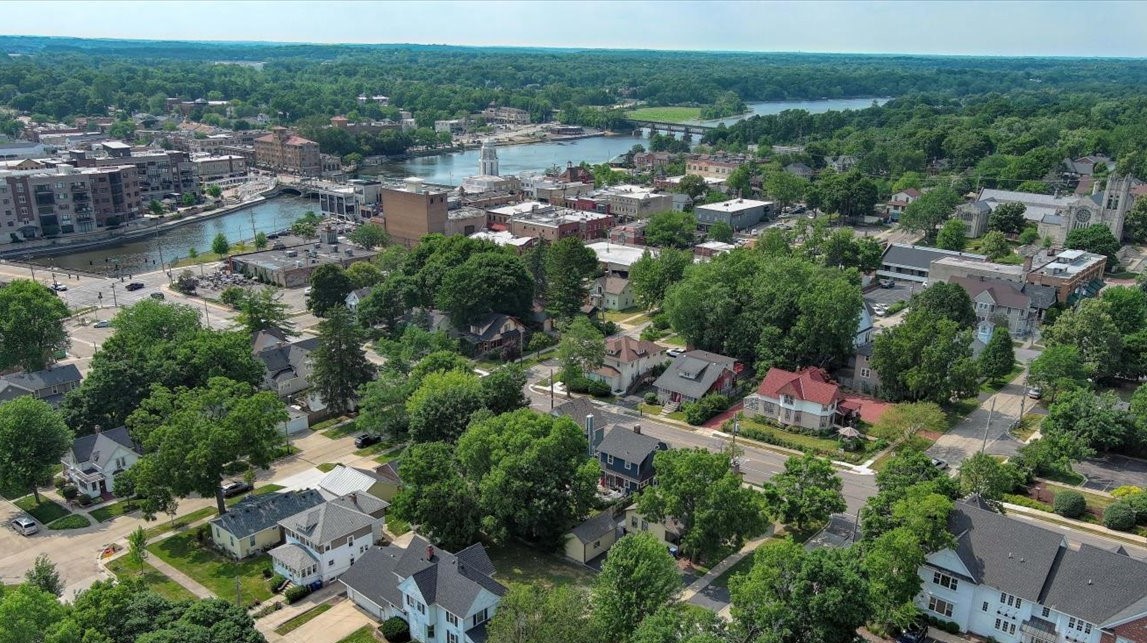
684	128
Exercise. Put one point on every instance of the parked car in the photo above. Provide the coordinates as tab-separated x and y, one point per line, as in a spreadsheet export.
887	283
103	323
234	488
939	464
880	309
157	295
135	285
914	634
675	352
24	526
365	440
1035	392
59	287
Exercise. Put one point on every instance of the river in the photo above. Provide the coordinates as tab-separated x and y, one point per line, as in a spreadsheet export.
443	169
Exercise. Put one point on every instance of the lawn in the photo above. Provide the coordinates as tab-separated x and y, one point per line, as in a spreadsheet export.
214	571
364	634
165	526
957	411
916	442
45	512
741	566
71	521
517	563
1094	501
618	316
326	467
336	428
673	340
665	114
825	447
302	619
991	386
397	526
124	567
655	411
114	510
1028	425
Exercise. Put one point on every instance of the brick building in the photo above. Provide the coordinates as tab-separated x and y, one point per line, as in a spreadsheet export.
413	211
285	152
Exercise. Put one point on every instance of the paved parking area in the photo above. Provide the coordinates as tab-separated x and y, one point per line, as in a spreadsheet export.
886	296
1111	471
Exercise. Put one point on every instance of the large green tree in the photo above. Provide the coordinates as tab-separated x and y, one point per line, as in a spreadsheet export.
570	266
891	563
441	407
369	235
1099	421
329	287
33	438
28	614
1090	329
263	309
681	623
637	579
652	275
542	614
1058	369
339	364
435	498
784	187
946	300
904	420
998	357
926	213
486	282
806	493
927	357
1007	218
699	490
987	477
31	326
995	245
671	230
190	436
953	235
581	350
1095	238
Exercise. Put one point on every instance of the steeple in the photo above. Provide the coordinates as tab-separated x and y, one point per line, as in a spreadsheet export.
488	161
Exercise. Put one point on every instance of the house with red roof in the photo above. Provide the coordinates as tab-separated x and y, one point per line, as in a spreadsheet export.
806	399
900	202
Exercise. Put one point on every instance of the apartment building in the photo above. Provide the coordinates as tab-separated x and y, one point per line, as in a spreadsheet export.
285	152
715	166
213	168
159	173
41	201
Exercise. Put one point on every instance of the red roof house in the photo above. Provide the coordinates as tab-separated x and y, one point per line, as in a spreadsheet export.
807	398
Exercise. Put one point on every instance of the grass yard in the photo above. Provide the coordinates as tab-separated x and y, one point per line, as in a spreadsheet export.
618	316
114	510
1094	501
916	442
673	340
665	114
341	428
1028	425
517	563
214	571
957	411
741	566
1068	478
991	386
302	619
326	467
124	568
165	526
364	634
45	512
71	521
397	526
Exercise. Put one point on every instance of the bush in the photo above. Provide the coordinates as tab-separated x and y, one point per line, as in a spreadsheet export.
69	492
276	583
1120	516
60	482
1125	490
540	341
660	321
651	398
1070	504
232	296
1138	502
595	388
296	593
698	412
395	630
268	572
84	500
268	609
203	533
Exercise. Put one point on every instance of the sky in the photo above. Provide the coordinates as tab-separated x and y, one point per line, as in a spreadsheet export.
1108	29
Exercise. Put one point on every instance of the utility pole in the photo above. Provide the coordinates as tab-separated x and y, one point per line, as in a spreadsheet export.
115	304
551	389
988	424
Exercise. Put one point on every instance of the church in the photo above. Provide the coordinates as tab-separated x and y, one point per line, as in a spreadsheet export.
1057	215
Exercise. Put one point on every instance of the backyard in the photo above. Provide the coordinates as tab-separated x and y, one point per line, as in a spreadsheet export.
125	568
214	571
519	564
822	446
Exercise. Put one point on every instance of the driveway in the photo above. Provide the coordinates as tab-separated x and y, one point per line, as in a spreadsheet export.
975	432
332	625
1110	471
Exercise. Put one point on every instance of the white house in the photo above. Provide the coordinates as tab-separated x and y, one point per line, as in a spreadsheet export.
806	399
612	293
95	460
323	542
1019	583
444	597
627	360
900	201
355	297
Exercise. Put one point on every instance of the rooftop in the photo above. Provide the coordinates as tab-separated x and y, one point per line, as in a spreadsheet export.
967	262
735	205
502	238
921	257
812	384
547	215
258	512
619	253
302	255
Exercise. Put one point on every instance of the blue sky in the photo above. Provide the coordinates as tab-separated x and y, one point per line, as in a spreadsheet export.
991	28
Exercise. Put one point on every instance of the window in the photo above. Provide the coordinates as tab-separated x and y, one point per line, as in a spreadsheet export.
409	600
865	373
451	637
429	632
941	607
480	617
597	544
609	459
985	607
331	563
628	465
1079	625
1046	612
786	399
451	619
251	542
421	608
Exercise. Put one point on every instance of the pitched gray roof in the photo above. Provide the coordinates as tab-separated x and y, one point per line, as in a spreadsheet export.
327	522
622	442
293	556
451	581
1042	297
1005	293
577	408
693	373
83	446
921	257
256	513
47	378
594	527
1096	584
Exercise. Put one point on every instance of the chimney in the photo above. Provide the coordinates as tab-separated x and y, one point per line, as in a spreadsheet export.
637	429
429	552
589	433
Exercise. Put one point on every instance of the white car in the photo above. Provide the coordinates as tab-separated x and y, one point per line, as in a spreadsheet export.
675	352
880	309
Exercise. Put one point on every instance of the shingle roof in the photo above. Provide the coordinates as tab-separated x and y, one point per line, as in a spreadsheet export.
1042	297
344	480
293	556
327	522
624	348
1004	293
374	575
84	446
921	257
576	409
47	378
594	527
810	384
256	513
626	444
1095	584
694	373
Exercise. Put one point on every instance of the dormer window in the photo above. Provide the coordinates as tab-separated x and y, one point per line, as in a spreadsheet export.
786	399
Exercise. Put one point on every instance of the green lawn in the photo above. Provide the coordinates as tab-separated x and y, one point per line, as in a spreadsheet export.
991	386
915	442
1028	425
114	510
741	566
213	571
165	525
1094	500
302	619
673	340
617	316
364	634
517	563
665	114
397	526
1069	478
71	521
124	567
347	428
45	512
326	467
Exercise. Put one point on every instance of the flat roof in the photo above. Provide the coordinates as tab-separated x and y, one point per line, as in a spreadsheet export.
1001	268
326	253
619	253
735	205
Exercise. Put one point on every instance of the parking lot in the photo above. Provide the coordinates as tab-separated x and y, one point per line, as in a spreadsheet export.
1111	471
901	291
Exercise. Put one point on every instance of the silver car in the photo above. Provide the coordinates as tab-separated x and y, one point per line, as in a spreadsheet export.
24	526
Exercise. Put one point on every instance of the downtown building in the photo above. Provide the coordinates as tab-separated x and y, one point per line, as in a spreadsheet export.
38	200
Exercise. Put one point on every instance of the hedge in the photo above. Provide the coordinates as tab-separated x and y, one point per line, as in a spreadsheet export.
296	593
1070	504
697	413
1119	516
395	630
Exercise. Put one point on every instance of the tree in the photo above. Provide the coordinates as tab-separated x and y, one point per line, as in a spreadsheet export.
987	477
950	301
156	208
1007	218
441	407
1029	236
307	225
806	493
651	276
1057	369
995	245
1097	239
721	231
1127	307
1135	223
671	230
581	350
28	614
638	578
137	544
929	211
339	361
387	303
363	274
220	245
542	614
793	596
1090	329
699	490
785	188
503	389
890	563
33	438
927	357
904	420
43	575
569	267
263	309
693	185
998	357
191	435
382	405
260	240
329	288
738	183
31	326
369	235
214	191
1097	420
953	235
488	282
435	498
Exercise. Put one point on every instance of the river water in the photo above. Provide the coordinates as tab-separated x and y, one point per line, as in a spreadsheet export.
444	169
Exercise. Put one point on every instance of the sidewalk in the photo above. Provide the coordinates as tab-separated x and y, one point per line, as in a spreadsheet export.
268	623
174	574
723	566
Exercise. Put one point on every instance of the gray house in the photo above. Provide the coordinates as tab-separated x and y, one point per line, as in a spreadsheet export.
737	213
49	384
695	374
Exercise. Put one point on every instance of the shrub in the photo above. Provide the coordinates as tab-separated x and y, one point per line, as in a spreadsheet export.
1070	504
203	533
59	482
595	388
296	593
1120	516
1138	502
268	572
276	583
651	398
69	492
1125	490
660	321
540	341
84	500
395	630
698	412
232	296
268	609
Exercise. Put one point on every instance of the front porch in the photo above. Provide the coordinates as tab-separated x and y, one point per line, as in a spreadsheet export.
295	563
90	482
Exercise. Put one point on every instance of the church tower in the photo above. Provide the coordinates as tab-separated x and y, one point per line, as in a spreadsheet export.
1116	202
488	161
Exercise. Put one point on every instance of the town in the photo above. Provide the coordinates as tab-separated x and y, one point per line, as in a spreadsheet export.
806	375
